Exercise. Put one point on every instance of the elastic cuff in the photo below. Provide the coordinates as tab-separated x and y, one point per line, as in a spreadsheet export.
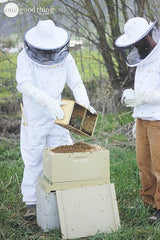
31	203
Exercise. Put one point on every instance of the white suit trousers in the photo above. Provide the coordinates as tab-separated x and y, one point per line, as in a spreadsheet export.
33	141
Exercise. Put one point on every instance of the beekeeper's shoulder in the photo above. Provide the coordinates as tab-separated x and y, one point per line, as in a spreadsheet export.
22	57
69	58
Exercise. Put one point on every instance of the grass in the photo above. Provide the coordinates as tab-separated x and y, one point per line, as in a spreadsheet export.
134	216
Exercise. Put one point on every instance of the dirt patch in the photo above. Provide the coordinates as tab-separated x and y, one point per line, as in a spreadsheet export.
9	123
77	147
9	127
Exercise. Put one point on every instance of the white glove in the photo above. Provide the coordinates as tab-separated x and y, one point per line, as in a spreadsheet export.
43	99
127	93
92	110
132	98
54	107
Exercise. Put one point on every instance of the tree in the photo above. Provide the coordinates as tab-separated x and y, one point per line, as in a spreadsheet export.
100	22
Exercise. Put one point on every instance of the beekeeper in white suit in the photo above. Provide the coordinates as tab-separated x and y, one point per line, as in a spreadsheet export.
44	66
142	39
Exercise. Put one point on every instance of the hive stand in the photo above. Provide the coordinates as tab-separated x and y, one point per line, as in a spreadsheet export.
85	198
47	211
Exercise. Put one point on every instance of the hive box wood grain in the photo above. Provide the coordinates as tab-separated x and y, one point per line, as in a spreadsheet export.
84	211
74	168
77	118
47	187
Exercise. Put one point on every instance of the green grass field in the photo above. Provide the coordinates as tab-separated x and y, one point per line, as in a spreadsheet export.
134	216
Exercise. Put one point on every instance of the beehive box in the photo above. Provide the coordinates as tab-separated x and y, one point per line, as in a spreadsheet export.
78	119
48	187
85	211
88	166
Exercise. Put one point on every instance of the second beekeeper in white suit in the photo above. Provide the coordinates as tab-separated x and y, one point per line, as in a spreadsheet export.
44	66
141	40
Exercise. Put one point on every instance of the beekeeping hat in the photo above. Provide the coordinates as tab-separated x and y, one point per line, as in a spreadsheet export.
45	35
46	43
134	30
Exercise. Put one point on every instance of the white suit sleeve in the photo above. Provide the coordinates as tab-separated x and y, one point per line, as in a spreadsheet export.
43	99
152	97
25	86
75	83
23	71
134	98
80	95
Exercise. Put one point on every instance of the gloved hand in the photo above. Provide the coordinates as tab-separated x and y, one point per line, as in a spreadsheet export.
43	99
92	110
132	98
80	95
127	93
54	107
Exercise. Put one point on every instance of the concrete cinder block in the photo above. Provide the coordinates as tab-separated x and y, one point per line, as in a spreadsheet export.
47	211
47	203
47	222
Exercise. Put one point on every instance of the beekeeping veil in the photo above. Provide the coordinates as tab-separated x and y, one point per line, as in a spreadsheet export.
136	29
46	44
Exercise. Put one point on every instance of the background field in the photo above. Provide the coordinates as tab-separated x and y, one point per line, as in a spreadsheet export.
113	131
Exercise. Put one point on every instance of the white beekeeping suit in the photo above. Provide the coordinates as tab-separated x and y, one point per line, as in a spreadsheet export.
44	66
142	38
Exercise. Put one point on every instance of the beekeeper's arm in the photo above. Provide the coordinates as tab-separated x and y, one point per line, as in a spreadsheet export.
132	98
75	83
25	86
